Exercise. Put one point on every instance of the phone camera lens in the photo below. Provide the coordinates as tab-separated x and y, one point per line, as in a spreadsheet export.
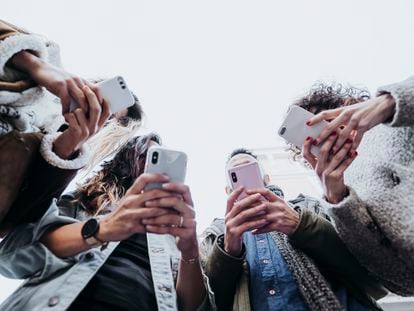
234	177
123	87
154	158
282	130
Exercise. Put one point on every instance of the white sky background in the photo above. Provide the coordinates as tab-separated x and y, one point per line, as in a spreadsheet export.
216	75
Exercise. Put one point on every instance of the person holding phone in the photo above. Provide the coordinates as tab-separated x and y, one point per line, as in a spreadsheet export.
42	144
95	248
272	254
372	205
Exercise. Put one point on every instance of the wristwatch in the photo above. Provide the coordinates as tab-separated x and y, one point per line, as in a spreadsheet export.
89	231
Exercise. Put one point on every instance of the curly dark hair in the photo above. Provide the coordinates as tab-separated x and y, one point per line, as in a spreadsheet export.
330	96
324	96
108	185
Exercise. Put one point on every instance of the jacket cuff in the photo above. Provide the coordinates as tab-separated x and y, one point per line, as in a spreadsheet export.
222	255
46	150
299	236
15	44
403	94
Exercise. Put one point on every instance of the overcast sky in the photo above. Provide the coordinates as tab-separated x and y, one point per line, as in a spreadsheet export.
219	74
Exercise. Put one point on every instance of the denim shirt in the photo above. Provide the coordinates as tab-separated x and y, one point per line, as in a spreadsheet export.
53	283
272	285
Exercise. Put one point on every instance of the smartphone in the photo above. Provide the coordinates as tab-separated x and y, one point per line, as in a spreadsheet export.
247	175
165	161
294	130
115	92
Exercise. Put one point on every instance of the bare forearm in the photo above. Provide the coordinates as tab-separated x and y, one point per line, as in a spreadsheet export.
190	286
65	241
26	61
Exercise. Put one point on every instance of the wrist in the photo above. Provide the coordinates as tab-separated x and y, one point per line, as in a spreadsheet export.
103	233
293	222
190	254
387	104
233	248
62	149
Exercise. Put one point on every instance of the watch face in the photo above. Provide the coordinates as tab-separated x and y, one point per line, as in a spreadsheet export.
90	228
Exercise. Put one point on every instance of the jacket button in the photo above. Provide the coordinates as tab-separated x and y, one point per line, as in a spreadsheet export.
395	179
89	255
372	227
53	301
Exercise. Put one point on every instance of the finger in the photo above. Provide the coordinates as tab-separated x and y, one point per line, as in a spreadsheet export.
175	203
144	179
105	114
65	100
346	133
334	125
79	82
243	204
72	121
248	214
251	225
168	220
94	109
94	87
324	115
175	231
339	157
233	198
326	150
132	201
83	123
345	164
77	94
307	154
266	193
145	213
182	189
357	140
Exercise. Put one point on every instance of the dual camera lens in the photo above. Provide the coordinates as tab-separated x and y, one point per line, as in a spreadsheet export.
154	158
122	83
234	177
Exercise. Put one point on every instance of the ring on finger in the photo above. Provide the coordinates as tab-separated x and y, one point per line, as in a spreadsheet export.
181	222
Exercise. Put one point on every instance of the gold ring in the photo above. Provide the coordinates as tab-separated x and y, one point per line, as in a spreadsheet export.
181	222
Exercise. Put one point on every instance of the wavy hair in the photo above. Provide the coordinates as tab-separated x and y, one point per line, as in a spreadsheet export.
107	186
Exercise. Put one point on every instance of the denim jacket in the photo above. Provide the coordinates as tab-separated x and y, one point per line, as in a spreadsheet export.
53	283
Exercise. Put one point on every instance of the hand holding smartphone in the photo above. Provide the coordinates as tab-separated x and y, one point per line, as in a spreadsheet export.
294	129
168	162
247	175
115	92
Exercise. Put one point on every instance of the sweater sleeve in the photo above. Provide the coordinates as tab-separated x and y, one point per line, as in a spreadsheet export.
364	239
403	93
317	237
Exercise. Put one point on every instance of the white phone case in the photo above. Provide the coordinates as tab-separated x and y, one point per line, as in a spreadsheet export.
115	92
169	162
294	130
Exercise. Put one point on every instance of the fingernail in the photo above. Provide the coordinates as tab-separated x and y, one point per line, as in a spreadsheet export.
348	141
308	138
315	142
308	123
333	133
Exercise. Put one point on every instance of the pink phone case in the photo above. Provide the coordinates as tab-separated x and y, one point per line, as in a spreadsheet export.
246	175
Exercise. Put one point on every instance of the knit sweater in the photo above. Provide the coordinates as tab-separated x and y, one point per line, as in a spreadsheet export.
376	220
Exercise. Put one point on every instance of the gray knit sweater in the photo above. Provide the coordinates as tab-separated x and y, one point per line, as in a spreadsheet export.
376	220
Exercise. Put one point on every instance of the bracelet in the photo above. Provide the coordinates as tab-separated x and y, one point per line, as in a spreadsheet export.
190	261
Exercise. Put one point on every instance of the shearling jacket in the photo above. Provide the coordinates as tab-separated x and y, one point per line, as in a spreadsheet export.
31	174
376	219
